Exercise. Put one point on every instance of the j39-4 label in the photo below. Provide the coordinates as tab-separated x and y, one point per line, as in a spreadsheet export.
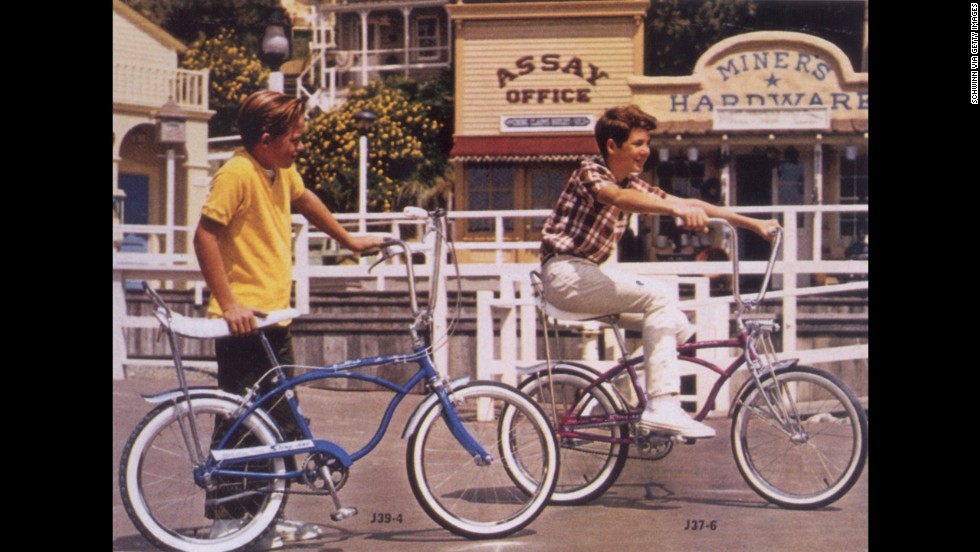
385	517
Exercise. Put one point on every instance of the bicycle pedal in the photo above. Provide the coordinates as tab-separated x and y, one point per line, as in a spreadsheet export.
343	514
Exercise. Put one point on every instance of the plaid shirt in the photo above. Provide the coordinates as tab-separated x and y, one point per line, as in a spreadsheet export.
580	225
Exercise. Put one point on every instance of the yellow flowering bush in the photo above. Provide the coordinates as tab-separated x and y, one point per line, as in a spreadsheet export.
397	160
235	72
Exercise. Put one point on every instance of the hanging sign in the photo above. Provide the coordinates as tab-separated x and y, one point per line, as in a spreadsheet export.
775	118
546	123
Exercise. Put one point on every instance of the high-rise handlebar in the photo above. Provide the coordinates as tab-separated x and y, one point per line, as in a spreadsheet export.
395	247
776	242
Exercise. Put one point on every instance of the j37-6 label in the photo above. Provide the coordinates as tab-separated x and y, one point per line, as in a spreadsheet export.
700	525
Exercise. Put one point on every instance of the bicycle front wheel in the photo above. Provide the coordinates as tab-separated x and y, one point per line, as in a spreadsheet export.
474	499
801	443
159	492
588	466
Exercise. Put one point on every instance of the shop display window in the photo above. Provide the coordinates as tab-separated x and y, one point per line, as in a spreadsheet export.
853	191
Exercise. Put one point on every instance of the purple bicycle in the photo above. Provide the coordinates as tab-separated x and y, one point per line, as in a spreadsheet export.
799	434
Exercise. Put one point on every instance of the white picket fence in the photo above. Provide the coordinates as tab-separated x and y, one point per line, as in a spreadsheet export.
516	347
511	279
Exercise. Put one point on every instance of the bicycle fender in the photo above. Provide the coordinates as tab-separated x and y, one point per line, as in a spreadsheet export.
176	395
416	417
782	366
581	369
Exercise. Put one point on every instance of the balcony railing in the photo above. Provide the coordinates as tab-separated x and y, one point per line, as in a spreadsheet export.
155	85
327	84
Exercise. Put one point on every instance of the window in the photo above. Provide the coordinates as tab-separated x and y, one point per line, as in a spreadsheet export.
791	179
427	37
491	188
681	178
546	186
853	190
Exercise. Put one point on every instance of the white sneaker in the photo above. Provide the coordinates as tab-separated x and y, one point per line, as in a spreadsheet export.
285	530
664	414
271	541
224	527
297	530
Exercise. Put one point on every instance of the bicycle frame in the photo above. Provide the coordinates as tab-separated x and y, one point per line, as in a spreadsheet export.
798	434
220	457
569	420
310	444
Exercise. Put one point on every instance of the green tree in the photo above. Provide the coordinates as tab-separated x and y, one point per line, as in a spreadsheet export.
679	31
399	168
191	20
234	72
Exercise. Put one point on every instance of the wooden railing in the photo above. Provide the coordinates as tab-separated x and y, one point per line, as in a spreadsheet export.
155	85
312	247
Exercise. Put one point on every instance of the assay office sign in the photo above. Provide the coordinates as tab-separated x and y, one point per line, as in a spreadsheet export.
556	64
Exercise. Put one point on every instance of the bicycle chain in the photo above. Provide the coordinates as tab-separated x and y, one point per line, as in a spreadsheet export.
629	455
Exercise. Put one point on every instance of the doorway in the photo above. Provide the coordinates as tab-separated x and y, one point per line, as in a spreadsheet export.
753	186
136	211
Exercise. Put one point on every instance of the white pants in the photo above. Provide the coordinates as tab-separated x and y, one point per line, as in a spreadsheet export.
646	305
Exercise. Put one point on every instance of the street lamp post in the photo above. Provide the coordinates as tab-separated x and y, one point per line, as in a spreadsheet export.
172	133
364	120
276	49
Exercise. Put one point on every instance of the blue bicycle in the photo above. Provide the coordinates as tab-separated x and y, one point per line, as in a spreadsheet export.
472	446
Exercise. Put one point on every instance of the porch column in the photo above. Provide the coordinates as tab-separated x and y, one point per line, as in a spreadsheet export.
817	200
726	172
171	197
364	46
449	38
116	193
406	60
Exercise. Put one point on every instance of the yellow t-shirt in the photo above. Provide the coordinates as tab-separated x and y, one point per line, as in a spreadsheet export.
256	246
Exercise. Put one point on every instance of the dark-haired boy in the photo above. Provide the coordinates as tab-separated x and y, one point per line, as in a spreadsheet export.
589	219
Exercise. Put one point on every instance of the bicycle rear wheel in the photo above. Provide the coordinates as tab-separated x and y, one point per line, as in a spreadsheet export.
808	450
588	467
156	477
481	501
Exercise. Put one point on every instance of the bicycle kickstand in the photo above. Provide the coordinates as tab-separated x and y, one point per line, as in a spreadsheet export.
341	512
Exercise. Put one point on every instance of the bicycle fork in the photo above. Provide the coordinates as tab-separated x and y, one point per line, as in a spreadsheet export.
761	358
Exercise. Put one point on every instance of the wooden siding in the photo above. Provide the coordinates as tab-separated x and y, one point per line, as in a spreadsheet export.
131	45
490	46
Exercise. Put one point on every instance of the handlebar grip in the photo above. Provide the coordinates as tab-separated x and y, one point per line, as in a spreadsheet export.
415	212
680	223
155	297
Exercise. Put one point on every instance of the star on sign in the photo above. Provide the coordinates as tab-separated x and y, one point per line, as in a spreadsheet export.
772	80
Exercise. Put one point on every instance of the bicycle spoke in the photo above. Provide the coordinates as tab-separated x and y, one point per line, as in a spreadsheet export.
825	452
765	416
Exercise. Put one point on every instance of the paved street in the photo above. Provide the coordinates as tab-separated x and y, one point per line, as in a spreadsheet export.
648	508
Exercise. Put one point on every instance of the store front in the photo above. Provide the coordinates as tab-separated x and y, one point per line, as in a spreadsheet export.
765	119
529	85
770	118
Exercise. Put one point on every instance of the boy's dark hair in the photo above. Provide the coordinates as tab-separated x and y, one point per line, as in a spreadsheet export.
267	111
617	122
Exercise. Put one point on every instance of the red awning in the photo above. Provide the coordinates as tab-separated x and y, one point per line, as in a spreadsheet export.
552	148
